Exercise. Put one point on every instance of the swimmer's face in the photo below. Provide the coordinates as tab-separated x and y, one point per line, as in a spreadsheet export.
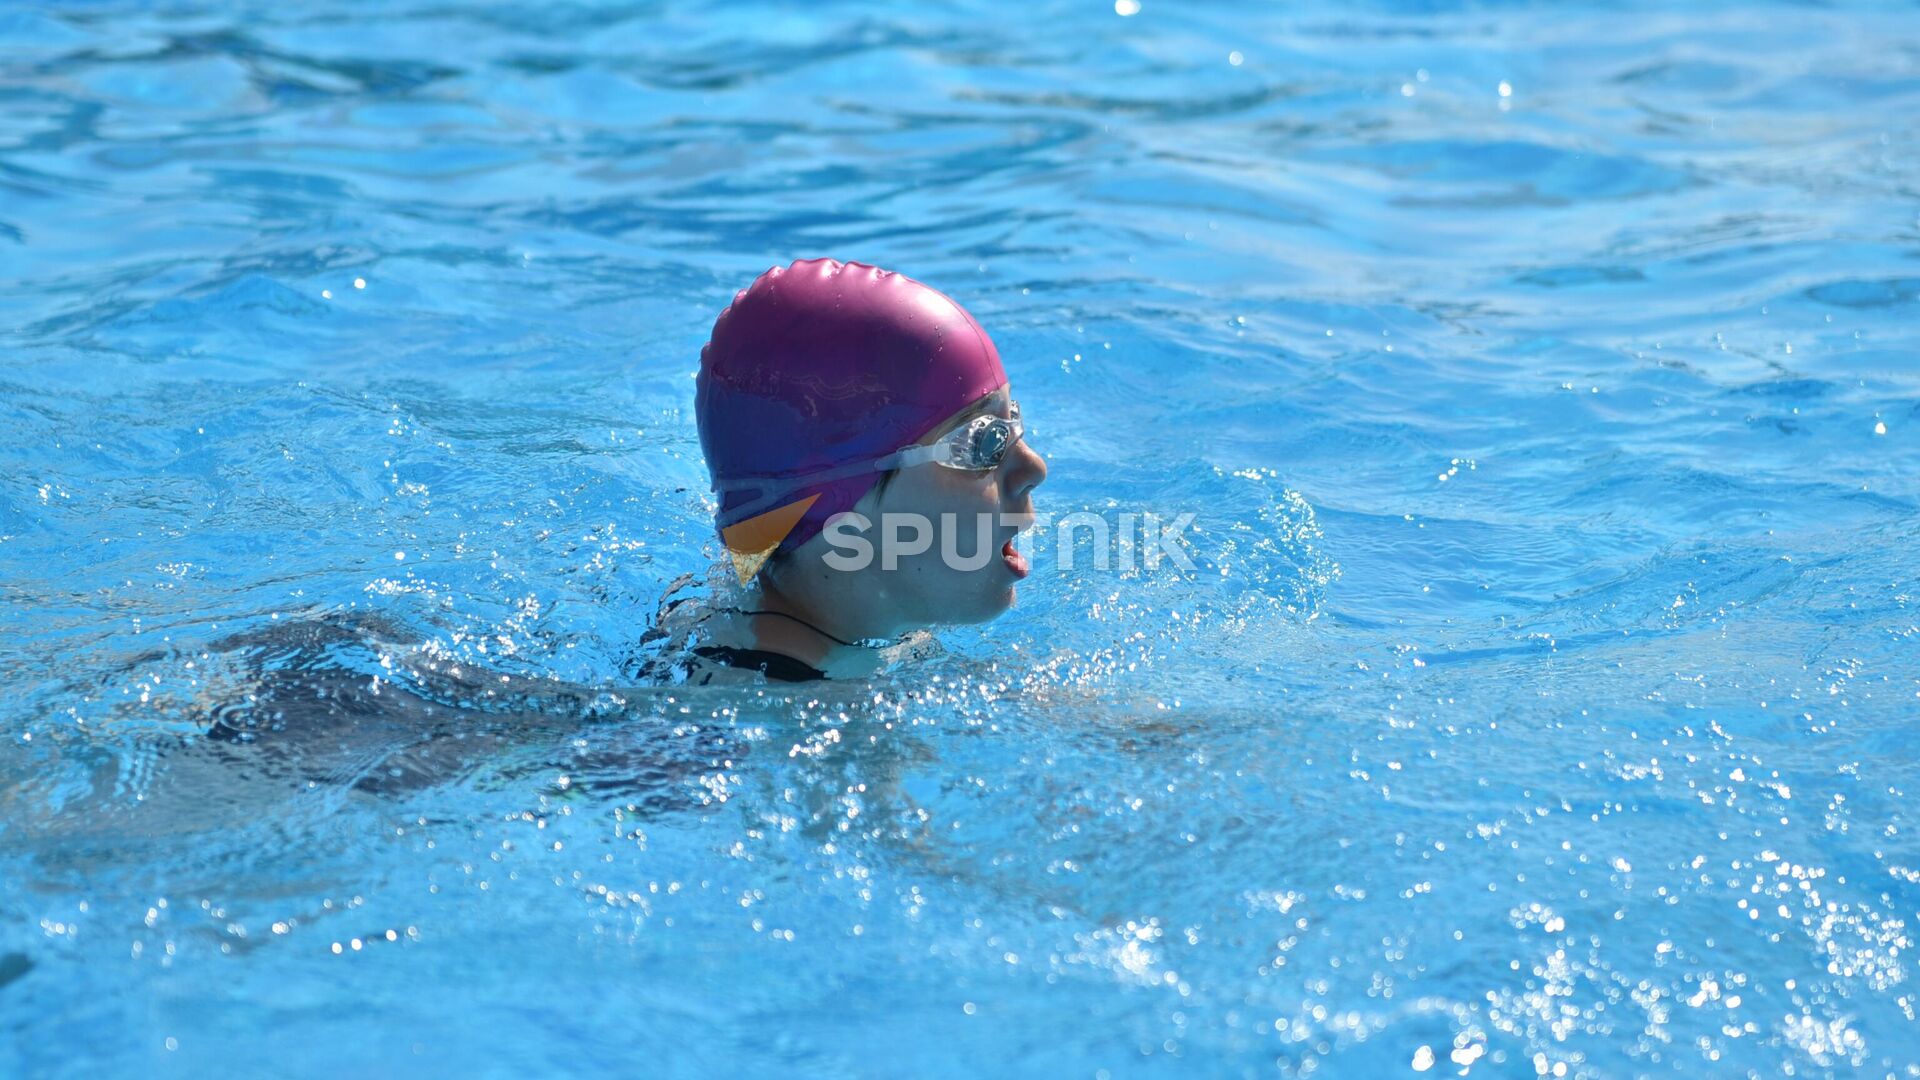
968	572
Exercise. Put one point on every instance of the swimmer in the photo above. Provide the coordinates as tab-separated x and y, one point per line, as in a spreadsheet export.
870	465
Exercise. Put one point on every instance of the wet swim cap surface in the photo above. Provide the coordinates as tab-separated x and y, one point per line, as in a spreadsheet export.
824	365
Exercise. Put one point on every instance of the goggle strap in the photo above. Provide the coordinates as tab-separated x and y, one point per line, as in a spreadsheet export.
778	487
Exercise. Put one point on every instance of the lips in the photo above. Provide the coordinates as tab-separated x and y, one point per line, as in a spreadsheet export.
1011	557
1014	560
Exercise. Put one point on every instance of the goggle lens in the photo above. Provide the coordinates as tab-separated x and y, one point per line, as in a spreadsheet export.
983	444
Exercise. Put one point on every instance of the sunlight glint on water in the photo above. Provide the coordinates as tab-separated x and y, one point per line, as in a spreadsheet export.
1542	378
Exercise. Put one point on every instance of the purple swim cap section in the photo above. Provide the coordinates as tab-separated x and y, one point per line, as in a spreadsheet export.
825	364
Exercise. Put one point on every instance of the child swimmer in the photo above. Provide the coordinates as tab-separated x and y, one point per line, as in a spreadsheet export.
865	447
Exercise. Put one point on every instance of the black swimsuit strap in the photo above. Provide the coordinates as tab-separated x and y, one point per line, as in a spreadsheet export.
808	625
771	664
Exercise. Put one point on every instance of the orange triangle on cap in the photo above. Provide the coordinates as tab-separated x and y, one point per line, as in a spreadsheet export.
752	542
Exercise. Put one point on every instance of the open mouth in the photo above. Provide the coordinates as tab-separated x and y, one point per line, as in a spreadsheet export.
1012	557
1014	560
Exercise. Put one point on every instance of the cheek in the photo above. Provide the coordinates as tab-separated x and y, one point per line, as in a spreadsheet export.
945	491
972	493
966	496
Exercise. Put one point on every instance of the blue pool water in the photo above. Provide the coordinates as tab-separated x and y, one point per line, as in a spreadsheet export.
1545	380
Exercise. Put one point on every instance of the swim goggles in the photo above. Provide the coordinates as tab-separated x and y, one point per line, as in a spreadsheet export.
979	445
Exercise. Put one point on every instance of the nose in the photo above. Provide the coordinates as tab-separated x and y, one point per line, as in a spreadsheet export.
1024	469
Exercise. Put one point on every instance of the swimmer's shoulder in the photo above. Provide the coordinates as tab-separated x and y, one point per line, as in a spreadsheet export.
727	665
776	666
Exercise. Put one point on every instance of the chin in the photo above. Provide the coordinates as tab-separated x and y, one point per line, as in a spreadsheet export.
998	604
988	606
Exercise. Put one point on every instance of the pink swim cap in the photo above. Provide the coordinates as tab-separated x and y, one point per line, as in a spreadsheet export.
826	365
